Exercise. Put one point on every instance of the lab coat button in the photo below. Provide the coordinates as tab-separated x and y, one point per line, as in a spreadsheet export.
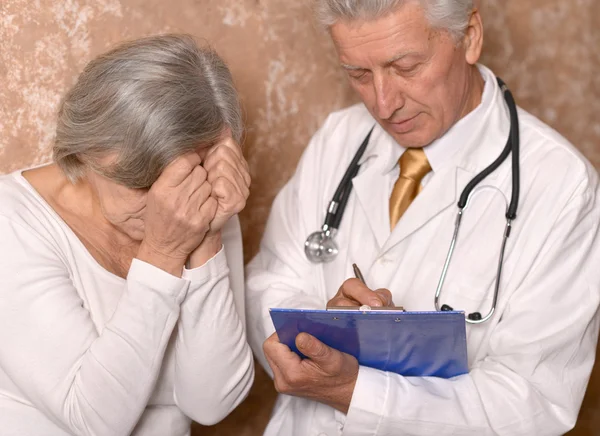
382	260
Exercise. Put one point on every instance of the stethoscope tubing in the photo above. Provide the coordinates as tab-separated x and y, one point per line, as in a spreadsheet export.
337	206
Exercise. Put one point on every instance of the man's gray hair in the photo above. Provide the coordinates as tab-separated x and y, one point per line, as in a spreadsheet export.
146	102
450	15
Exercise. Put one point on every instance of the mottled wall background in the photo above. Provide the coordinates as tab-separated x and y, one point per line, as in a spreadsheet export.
548	51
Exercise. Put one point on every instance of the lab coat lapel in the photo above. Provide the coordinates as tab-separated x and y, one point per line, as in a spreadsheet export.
371	193
441	192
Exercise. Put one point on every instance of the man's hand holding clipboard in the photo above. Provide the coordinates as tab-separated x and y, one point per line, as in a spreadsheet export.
325	375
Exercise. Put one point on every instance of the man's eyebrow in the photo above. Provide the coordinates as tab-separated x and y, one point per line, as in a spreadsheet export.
351	67
387	63
400	56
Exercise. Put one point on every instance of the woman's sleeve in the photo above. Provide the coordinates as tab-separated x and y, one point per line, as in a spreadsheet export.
85	381
214	368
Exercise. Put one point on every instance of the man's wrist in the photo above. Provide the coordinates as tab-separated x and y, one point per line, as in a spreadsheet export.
343	397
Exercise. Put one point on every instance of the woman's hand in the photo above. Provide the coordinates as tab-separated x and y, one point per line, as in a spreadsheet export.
179	212
229	176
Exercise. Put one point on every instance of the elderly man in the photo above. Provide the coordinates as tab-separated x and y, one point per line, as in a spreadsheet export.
438	119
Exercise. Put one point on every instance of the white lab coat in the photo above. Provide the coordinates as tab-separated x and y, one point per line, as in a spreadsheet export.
529	365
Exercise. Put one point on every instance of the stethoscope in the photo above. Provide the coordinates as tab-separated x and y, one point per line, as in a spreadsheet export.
321	247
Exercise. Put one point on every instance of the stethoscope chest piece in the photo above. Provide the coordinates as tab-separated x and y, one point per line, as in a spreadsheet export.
320	247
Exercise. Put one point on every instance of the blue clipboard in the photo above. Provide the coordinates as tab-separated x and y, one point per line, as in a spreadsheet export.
408	343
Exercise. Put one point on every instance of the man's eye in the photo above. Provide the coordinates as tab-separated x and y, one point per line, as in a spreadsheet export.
407	69
358	75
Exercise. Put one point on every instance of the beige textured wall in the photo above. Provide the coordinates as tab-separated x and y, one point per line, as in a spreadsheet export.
546	50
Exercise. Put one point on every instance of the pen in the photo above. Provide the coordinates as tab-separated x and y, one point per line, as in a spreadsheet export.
358	274
360	277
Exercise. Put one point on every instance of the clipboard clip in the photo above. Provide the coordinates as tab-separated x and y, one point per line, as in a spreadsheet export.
365	308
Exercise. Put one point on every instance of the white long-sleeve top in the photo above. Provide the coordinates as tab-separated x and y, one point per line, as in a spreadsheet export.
85	352
530	364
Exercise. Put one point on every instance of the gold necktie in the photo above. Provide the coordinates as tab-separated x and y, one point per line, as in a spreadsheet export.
413	167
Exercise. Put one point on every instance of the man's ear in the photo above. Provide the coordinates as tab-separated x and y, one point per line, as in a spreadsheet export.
473	39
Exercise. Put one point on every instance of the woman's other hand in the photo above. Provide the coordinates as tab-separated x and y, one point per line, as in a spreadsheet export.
179	213
229	176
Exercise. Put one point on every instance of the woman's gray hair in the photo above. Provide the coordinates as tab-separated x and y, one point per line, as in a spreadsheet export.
450	15
145	102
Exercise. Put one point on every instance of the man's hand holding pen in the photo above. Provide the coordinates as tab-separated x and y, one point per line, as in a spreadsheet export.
354	292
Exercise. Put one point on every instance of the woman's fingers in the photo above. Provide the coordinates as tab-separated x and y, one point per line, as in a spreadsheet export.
225	163
179	170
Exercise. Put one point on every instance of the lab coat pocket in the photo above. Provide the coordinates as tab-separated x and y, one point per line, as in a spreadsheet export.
468	292
463	288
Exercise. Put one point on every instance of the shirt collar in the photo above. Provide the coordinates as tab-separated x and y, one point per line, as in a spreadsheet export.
446	148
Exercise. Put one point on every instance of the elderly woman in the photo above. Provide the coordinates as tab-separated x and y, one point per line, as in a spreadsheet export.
121	306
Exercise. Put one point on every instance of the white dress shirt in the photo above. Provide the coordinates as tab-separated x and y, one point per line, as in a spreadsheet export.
530	364
85	352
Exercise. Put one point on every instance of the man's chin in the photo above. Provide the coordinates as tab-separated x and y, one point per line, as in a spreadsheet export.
414	139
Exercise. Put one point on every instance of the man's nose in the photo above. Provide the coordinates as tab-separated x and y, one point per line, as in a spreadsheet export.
388	96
